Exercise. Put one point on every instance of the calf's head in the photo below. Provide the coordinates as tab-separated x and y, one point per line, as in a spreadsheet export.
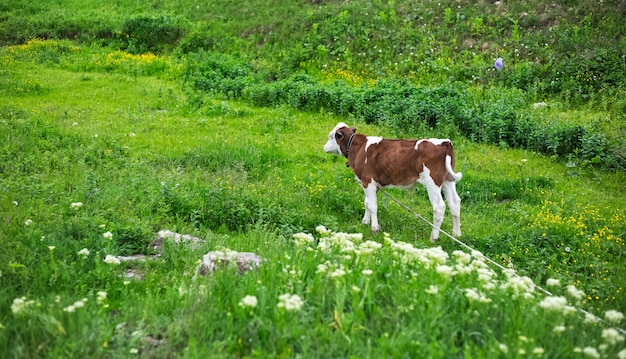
338	139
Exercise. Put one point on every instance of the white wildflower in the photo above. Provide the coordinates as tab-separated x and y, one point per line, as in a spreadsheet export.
557	304
591	352
303	239
538	351
622	354
445	271
322	230
337	273
133	351
503	348
51	248
356	289
553	303
521	286
433	289
342	241
290	302
575	293
437	254
321	268
79	304
551	282
19	304
590	318
101	296
248	301
462	257
367	272
613	316
474	295
612	336
462	269
69	309
83	252
485	274
559	329
368	247
76	205
109	259
107	235
28	222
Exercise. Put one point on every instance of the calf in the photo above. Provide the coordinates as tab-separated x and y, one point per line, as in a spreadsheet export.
379	162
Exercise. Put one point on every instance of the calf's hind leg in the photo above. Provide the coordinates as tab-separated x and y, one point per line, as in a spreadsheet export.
454	202
439	206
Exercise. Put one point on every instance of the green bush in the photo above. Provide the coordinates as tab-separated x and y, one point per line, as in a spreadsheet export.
150	34
217	73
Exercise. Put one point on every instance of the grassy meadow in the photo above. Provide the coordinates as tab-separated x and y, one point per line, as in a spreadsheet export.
118	120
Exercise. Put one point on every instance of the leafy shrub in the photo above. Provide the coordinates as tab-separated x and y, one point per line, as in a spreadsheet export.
197	41
150	34
217	73
408	109
597	149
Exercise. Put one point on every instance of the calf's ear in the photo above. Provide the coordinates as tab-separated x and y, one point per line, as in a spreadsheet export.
338	135
353	129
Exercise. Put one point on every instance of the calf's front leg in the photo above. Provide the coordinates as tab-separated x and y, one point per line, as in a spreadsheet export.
371	207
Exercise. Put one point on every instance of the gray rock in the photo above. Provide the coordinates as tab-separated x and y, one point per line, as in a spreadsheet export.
241	261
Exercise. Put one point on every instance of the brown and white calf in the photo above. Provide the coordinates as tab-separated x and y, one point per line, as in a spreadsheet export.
379	162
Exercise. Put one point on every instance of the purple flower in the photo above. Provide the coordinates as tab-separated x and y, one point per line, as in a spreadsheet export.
498	64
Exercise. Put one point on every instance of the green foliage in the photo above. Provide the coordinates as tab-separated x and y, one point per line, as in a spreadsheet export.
150	34
217	73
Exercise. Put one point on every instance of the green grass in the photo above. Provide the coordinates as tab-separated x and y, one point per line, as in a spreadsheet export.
248	178
84	119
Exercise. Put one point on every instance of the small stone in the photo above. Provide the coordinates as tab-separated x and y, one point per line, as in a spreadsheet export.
243	261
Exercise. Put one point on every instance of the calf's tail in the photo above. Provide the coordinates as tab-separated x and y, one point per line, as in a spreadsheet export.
450	163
